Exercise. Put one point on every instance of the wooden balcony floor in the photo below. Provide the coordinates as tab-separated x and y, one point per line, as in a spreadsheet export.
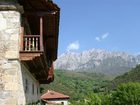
29	55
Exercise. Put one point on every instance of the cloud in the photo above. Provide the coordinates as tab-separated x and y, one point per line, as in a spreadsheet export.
102	37
73	46
138	53
98	39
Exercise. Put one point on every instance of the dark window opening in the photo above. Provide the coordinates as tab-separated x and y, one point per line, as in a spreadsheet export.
32	88
26	86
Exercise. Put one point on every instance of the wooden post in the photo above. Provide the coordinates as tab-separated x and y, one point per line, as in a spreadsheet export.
21	39
41	33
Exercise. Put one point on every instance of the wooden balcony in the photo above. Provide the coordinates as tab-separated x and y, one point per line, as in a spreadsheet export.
31	47
33	56
39	40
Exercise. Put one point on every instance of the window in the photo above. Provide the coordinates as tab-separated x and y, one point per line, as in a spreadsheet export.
62	103
26	85
32	88
37	90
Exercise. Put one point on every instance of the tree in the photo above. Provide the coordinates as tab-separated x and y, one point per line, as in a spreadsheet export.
126	94
93	99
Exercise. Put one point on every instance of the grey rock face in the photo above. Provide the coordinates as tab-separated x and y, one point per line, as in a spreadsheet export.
97	60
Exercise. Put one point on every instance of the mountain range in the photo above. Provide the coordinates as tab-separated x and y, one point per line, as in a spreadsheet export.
98	60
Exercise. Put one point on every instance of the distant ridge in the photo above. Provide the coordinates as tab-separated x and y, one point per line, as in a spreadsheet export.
98	60
131	76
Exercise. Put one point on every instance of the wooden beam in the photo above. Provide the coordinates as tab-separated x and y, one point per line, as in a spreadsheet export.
40	13
27	55
21	39
41	34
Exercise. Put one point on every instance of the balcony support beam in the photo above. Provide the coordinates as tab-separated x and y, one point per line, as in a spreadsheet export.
21	39
41	33
41	13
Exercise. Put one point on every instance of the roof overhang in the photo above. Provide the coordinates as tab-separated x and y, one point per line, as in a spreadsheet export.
50	12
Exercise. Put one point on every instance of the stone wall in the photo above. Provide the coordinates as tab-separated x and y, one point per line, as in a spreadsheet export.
12	72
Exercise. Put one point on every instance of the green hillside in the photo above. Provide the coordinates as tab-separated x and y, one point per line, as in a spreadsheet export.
132	76
87	88
77	84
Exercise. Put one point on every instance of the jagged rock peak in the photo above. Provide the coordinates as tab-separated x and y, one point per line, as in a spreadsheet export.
97	60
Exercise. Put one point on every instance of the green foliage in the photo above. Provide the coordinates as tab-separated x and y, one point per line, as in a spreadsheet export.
77	84
106	99
127	94
42	90
91	88
132	76
35	103
93	99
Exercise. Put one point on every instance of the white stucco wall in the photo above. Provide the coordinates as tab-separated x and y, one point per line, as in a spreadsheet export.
29	94
65	102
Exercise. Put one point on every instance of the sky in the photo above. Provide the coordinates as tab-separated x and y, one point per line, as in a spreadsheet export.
112	25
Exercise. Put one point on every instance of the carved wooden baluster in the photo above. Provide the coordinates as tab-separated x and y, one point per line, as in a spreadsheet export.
36	44
29	44
33	43
26	44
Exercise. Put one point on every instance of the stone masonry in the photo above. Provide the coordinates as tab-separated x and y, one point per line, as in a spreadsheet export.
12	89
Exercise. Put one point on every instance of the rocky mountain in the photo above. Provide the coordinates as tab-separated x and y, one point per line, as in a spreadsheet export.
97	60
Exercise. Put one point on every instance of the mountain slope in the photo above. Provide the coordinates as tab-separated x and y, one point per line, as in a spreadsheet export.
96	60
131	76
76	84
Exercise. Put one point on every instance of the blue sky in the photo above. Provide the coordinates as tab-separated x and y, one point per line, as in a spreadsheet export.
112	25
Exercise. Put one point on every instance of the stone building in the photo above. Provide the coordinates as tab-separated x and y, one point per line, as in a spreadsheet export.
54	98
28	47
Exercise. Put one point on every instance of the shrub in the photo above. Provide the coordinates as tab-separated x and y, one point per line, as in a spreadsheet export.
126	94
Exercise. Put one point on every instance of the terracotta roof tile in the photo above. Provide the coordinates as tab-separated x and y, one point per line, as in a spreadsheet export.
54	95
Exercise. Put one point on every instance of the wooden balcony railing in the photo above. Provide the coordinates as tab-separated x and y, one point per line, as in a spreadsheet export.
31	43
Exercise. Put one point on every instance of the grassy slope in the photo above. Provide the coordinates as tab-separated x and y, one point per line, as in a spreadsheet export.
76	84
132	76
